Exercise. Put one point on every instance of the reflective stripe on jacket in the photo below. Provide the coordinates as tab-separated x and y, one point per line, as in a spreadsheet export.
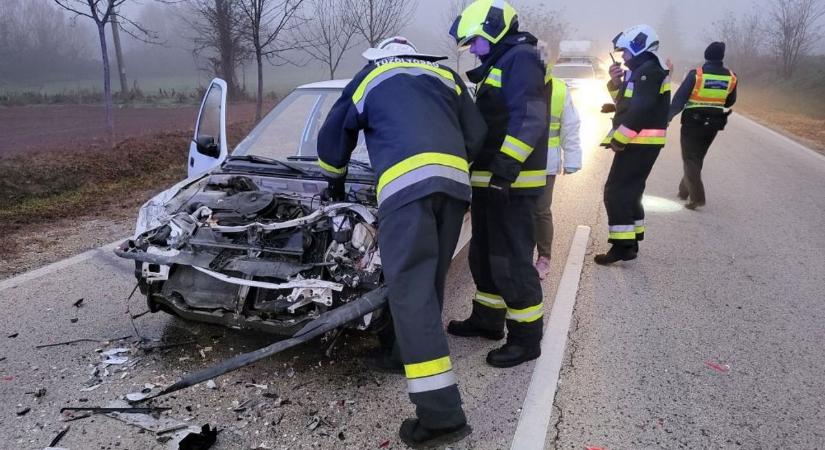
421	128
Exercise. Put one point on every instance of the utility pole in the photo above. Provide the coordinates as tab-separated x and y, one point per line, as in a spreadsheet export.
121	68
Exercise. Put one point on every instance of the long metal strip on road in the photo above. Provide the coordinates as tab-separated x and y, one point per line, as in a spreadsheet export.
538	406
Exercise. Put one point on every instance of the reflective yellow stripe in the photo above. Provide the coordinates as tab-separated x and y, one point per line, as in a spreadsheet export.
428	368
362	88
527	179
490	300
526	315
640	230
332	169
420	160
665	85
494	78
623	235
516	149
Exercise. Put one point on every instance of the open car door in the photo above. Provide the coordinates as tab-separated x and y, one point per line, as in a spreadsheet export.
208	148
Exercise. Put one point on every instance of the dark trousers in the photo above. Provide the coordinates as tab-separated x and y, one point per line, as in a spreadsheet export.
623	193
508	289
417	242
696	142
543	222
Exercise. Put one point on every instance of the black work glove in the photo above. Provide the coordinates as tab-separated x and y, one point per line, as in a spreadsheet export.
616	146
608	108
335	190
500	190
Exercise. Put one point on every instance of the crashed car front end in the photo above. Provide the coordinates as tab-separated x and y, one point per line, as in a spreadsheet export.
255	252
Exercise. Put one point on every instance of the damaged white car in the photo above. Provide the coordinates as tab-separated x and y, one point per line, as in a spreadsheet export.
246	241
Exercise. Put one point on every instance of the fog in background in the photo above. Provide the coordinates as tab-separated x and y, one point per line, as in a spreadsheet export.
685	28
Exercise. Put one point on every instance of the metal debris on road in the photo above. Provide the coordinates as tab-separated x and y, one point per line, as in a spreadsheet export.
719	368
115	351
115	361
2	359
76	341
211	384
23	412
78	303
125	410
59	436
13	335
384	444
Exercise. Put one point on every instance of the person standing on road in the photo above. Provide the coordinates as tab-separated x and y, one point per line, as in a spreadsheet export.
704	95
507	179
642	98
421	129
564	155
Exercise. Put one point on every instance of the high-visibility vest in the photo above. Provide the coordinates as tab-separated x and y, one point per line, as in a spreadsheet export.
557	101
711	91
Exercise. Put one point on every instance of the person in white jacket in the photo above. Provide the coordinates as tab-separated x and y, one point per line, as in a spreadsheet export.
564	156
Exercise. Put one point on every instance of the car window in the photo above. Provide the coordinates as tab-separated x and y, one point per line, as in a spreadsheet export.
291	129
573	72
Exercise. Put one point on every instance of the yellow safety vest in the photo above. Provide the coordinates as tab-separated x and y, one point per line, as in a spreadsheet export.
557	101
711	91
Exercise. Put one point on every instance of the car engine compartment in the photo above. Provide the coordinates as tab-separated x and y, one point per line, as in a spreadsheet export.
255	252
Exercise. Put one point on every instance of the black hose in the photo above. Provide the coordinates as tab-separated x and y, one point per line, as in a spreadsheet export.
328	321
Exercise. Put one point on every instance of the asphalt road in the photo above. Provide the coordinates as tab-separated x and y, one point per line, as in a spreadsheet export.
712	339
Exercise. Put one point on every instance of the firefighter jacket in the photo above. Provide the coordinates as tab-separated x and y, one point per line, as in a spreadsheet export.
513	98
642	103
708	89
421	129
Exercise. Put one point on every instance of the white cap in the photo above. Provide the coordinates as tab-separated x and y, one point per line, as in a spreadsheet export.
396	47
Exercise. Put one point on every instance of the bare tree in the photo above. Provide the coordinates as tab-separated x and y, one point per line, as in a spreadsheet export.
447	42
376	20
793	28
218	25
328	34
265	22
743	36
547	24
99	11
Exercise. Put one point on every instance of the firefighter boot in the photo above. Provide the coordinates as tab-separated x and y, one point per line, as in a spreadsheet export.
416	435
468	328
615	254
513	354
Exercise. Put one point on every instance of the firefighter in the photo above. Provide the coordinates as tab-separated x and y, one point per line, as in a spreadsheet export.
642	98
704	95
564	155
508	178
420	154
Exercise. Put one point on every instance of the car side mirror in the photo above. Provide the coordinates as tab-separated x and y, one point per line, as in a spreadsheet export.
207	146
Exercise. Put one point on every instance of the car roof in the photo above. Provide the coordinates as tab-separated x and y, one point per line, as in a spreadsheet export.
330	84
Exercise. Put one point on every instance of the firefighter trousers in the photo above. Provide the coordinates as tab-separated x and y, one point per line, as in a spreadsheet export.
696	142
623	193
508	289
417	242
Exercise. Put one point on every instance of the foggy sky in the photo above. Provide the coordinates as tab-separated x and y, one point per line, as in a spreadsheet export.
595	20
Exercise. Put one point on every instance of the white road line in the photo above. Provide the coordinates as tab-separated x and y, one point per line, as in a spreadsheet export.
45	270
531	431
782	137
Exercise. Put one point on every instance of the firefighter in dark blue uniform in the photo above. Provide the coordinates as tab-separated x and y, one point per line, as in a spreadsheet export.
704	96
508	179
421	129
642	99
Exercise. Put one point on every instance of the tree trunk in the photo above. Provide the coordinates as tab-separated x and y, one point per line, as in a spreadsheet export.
121	66
260	100
107	84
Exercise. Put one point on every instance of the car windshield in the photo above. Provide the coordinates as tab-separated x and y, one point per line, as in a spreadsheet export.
573	72
291	129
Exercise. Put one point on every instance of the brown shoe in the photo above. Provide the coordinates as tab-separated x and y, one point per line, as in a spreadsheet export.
694	205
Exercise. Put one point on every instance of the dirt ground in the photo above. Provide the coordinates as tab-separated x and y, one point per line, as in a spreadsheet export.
64	128
55	202
801	117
